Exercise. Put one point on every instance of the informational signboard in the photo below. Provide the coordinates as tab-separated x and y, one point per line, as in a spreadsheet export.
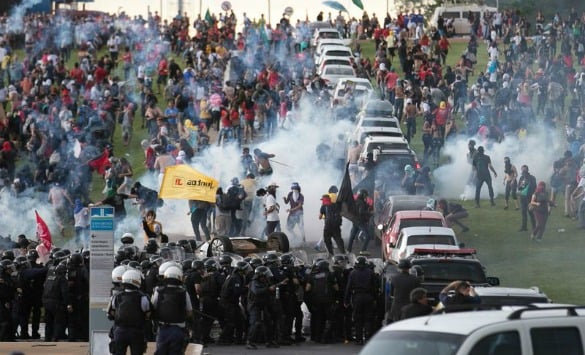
101	264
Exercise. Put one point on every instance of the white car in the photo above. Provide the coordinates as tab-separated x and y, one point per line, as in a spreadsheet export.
513	330
322	33
377	108
332	73
334	51
332	60
412	238
361	89
326	42
383	143
376	126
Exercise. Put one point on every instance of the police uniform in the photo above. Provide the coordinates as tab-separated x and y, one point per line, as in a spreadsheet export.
359	292
56	302
400	287
172	305
129	309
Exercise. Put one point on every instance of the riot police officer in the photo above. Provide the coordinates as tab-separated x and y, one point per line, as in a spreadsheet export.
233	289
172	307
193	277
129	309
360	293
342	316
78	282
291	296
321	289
260	296
56	300
400	287
30	284
6	296
208	292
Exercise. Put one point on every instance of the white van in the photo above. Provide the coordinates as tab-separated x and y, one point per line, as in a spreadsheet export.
540	329
460	15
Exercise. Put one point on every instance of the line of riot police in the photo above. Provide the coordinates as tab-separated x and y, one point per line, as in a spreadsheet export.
260	300
60	288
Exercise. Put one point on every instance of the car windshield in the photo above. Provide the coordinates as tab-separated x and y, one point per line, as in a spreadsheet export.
329	34
339	71
451	270
379	123
389	171
336	53
430	239
432	222
413	343
336	61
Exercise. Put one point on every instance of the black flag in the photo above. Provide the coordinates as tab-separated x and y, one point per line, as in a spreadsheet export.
345	198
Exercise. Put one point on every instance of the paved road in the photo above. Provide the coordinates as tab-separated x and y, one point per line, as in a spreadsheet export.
302	349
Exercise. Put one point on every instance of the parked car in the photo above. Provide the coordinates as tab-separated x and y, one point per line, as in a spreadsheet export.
334	51
536	330
380	143
329	60
417	238
332	73
389	226
443	266
511	295
376	126
324	42
361	89
324	32
377	108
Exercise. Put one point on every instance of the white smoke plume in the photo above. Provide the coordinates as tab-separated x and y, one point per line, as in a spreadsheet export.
15	22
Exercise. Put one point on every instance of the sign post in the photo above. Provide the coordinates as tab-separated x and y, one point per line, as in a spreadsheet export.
101	264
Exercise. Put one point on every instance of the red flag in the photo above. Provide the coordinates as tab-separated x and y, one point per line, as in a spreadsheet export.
100	164
43	233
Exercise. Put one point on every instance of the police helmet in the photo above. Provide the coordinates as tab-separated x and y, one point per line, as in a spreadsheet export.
132	277
255	262
151	246
167	264
144	265
58	256
21	262
184	243
155	260
197	265
244	267
270	259
118	272
225	260
125	262
134	265
86	254
287	259
66	251
130	252
323	266
32	255
262	271
61	269
173	272
120	256
127	238
171	245
166	253
186	264
361	261
8	255
75	260
210	265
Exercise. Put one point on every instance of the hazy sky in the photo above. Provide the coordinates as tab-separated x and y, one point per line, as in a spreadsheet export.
252	7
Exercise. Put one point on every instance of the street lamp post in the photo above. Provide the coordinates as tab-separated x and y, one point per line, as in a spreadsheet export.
269	13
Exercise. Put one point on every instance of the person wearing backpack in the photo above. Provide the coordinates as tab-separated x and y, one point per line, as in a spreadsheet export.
233	202
331	213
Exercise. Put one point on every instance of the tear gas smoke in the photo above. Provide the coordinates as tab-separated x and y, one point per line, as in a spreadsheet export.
538	151
15	22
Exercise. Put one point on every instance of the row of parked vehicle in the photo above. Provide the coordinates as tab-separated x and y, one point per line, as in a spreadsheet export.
513	320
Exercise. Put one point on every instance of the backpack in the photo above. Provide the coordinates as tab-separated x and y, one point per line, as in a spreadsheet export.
333	216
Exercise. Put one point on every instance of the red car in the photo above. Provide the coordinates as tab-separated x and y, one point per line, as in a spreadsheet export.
413	218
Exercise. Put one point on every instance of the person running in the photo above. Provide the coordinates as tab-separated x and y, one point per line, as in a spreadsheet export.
295	213
262	159
540	205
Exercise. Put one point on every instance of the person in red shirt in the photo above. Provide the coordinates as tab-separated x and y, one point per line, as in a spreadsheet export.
442	115
391	80
99	74
77	74
444	46
163	72
127	62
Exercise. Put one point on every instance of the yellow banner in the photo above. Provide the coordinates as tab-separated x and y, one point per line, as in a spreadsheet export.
183	182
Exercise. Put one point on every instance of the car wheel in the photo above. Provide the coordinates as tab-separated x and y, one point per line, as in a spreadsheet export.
219	245
277	241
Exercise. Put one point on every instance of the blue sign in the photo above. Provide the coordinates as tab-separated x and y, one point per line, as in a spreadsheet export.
102	225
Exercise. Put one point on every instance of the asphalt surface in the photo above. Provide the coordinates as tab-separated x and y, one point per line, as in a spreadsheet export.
301	349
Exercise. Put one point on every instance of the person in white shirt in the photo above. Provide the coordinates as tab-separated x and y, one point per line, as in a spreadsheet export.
271	208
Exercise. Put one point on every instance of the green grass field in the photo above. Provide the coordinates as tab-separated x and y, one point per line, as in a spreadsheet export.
551	265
